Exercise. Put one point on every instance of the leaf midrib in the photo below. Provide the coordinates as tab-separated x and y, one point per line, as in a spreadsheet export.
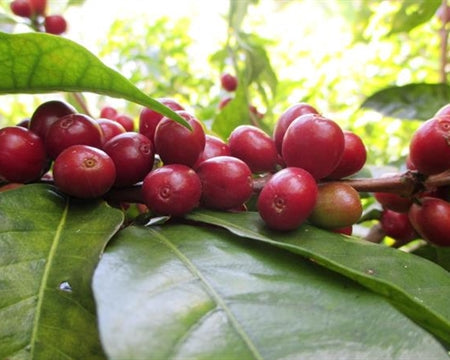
213	293
45	276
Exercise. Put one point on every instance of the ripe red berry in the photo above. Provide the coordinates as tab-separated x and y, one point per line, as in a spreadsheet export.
353	158
84	171
314	143
149	119
287	117
38	6
397	226
214	146
110	128
133	156
429	149
229	82
21	8
46	114
55	24
431	219
73	129
287	199
338	205
172	190
176	144
253	146
226	182
22	155
393	201
126	121
108	112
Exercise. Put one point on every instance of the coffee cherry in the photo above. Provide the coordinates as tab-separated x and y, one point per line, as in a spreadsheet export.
253	146
393	201
314	143
397	226
229	82
353	158
22	155
46	114
214	146
108	112
133	157
73	129
38	6
126	121
338	205
172	190
176	144
84	171
55	24
21	8
110	128
149	119
287	117
431	219
287	199
429	148
226	182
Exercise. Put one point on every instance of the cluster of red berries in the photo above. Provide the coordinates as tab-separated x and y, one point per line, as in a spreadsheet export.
88	157
36	11
426	214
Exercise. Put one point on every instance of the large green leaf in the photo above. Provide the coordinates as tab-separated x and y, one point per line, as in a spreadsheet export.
412	101
417	286
38	63
412	14
49	247
194	292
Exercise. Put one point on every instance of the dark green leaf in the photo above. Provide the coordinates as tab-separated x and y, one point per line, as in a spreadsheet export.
412	14
419	287
40	63
198	292
49	247
412	101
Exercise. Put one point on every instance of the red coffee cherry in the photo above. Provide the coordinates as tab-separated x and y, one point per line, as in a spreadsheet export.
429	149
108	112
229	82
38	6
353	158
84	171
46	114
22	155
393	201
253	146
21	8
73	129
149	119
397	226
287	117
55	24
110	128
176	144
431	219
126	121
173	189
133	157
314	143
214	146
287	199
226	182
338	205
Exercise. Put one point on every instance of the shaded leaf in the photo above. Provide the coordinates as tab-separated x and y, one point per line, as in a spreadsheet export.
418	287
49	247
33	63
412	14
412	101
193	292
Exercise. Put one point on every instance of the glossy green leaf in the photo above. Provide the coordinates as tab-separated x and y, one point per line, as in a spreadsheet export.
412	101
418	287
198	292
412	14
40	63
49	247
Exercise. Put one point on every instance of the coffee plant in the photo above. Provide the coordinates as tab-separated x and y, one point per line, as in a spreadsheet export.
176	238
